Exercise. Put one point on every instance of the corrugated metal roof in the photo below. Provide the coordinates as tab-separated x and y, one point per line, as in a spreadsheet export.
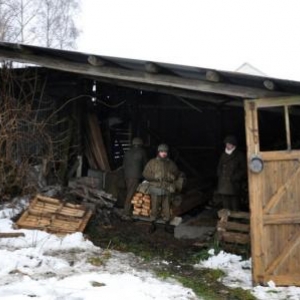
144	73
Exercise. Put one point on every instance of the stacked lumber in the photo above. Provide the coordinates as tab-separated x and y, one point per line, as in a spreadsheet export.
54	216
141	204
233	230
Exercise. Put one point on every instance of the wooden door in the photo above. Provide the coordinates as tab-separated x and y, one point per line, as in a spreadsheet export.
274	189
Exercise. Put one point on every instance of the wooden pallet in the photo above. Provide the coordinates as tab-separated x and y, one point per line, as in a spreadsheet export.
233	230
54	216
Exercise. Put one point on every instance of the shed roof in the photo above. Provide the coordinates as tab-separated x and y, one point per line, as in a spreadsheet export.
188	81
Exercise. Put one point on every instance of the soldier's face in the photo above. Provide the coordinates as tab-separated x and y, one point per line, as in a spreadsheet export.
162	154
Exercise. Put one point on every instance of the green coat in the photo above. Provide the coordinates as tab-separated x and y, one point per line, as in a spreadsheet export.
161	173
231	172
134	162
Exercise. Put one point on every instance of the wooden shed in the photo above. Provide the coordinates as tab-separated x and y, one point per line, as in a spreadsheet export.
193	109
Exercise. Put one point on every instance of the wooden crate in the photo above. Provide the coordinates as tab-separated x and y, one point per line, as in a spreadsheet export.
233	231
54	216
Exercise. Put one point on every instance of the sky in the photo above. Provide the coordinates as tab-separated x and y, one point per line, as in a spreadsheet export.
44	266
217	34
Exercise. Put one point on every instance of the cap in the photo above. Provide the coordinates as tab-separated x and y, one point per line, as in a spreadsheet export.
163	148
230	139
137	141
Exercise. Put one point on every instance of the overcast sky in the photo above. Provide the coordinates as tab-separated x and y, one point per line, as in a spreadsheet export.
218	34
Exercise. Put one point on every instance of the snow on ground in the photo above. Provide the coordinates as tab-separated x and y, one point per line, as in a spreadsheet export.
48	267
44	266
238	274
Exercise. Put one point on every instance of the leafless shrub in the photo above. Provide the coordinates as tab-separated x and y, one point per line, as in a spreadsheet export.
34	135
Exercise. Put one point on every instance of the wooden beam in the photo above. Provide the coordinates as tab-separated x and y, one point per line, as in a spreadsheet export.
215	100
279	219
136	76
280	101
190	104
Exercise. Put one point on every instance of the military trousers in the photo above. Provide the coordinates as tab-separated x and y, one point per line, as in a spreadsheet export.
131	185
160	206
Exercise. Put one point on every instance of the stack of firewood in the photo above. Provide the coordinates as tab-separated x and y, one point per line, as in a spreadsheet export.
141	204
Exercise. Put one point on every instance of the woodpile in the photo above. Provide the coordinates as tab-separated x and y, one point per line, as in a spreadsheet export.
141	204
54	216
88	191
233	231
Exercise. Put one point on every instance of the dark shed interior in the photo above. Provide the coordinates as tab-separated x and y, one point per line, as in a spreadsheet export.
190	109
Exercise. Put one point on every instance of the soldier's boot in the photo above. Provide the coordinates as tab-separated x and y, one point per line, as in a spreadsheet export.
169	228
152	227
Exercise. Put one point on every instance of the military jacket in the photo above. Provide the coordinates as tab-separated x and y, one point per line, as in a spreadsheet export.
161	173
134	162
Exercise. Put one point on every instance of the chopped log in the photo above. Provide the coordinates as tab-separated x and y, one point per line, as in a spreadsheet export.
101	202
141	204
225	213
86	189
234	237
11	234
140	195
136	213
232	226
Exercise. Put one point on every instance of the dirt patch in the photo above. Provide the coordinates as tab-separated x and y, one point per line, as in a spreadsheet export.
167	256
134	236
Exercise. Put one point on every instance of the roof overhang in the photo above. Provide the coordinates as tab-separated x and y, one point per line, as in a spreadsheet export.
183	81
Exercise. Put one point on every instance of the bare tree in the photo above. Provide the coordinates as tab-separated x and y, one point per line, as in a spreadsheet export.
56	23
48	23
7	20
36	133
26	20
67	32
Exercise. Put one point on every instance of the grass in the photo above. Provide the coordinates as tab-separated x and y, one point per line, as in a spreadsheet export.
100	260
206	283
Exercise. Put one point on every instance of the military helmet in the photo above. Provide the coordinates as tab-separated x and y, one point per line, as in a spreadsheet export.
137	141
230	139
163	148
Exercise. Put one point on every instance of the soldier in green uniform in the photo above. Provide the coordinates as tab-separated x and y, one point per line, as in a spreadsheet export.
134	162
161	172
